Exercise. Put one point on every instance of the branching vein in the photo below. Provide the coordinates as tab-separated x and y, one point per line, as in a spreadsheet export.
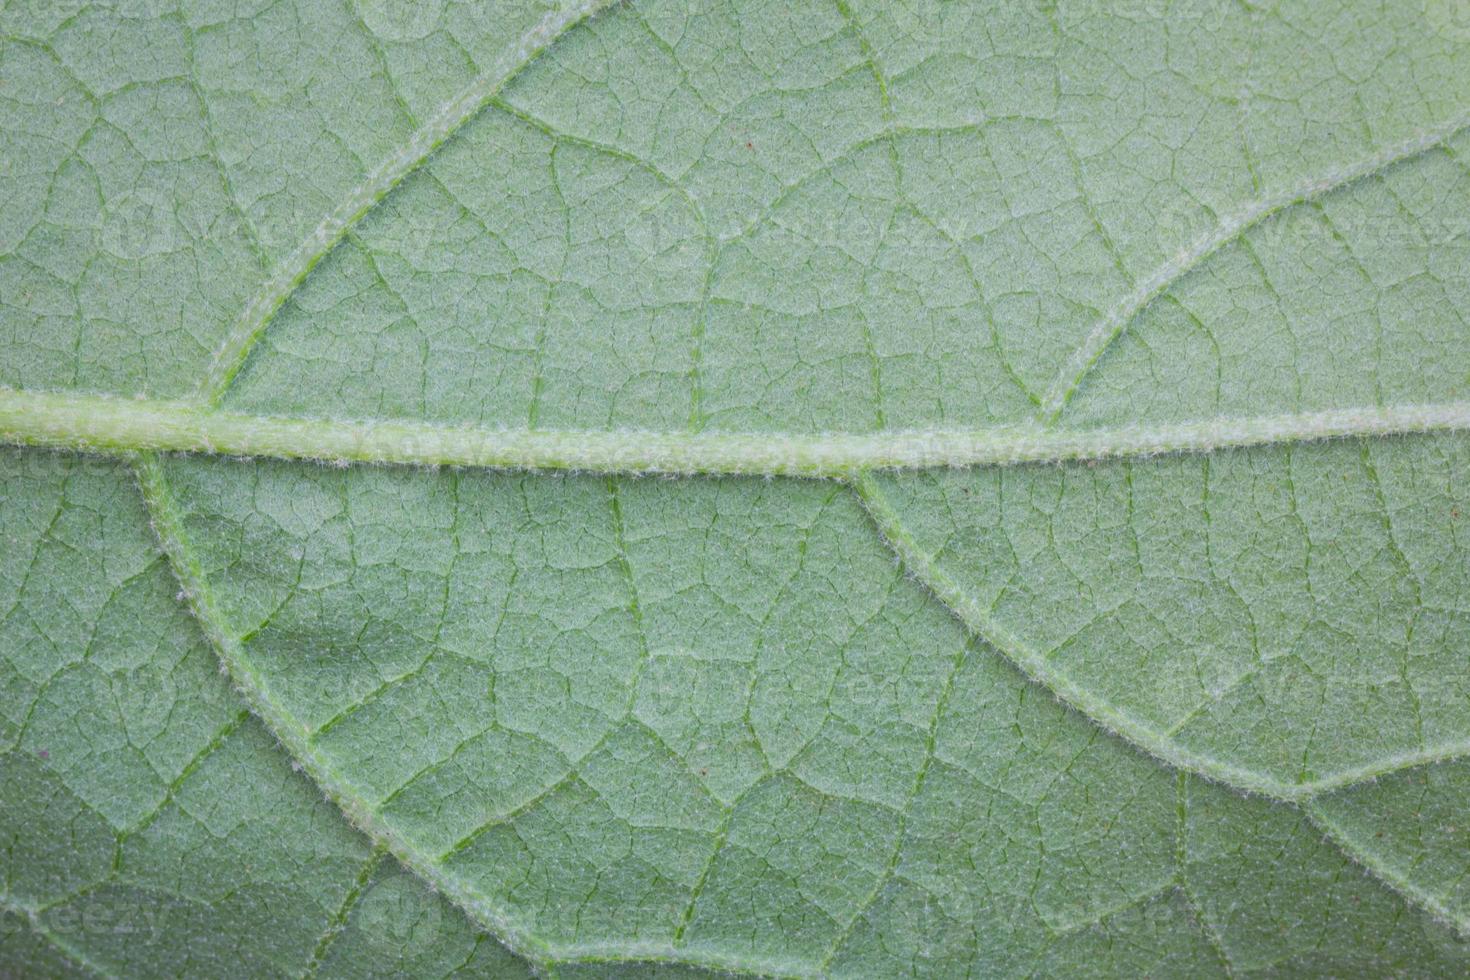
1107	329
1152	739
293	269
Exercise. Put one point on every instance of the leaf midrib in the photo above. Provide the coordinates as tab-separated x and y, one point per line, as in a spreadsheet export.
126	428
123	427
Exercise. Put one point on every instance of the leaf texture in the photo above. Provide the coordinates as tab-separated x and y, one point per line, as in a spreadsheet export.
1129	638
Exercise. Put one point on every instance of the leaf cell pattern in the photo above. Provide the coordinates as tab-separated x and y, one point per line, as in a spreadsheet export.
1139	712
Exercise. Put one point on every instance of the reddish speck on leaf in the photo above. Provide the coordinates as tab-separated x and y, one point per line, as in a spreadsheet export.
44	754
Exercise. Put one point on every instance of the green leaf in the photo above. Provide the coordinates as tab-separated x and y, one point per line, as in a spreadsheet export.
1068	573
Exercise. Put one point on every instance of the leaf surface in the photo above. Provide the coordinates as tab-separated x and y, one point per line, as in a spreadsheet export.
1137	337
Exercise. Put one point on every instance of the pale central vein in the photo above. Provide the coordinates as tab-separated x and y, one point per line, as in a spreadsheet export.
116	426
